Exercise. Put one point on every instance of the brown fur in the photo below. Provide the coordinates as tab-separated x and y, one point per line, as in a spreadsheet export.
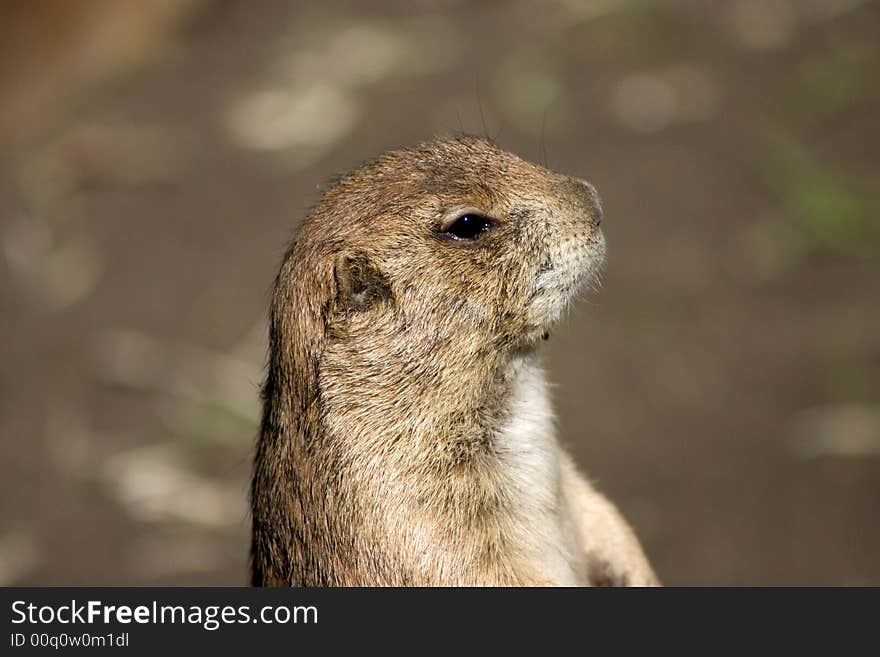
392	449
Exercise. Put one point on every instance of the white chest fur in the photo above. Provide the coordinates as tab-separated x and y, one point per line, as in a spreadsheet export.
540	522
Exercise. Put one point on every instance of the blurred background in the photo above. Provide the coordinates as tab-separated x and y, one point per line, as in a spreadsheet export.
155	157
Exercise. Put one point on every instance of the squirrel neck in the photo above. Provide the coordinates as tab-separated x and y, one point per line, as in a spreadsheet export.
341	499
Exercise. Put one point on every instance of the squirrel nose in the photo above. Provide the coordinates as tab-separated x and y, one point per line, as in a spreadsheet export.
593	201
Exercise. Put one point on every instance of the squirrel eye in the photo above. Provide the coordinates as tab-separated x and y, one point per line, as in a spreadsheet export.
468	227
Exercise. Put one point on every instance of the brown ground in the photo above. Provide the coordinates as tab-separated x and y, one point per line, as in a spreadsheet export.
722	387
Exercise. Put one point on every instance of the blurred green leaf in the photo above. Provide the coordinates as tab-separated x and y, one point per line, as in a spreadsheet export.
826	209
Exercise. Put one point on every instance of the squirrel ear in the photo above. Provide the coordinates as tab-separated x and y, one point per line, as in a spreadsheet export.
359	285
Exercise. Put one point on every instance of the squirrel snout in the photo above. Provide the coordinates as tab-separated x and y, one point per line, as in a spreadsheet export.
592	200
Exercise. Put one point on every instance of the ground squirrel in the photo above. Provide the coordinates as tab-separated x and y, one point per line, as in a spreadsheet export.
407	436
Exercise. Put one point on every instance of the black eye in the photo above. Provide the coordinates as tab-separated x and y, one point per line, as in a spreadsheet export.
468	227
